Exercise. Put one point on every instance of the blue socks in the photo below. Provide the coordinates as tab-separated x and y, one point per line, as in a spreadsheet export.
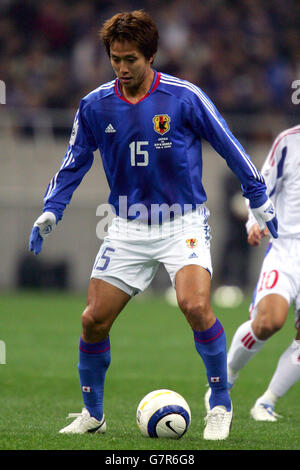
211	345
94	359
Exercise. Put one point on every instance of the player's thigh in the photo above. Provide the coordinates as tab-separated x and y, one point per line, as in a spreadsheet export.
189	247
126	263
277	285
193	281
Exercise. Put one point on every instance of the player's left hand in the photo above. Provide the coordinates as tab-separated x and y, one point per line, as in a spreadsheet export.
255	235
265	216
41	228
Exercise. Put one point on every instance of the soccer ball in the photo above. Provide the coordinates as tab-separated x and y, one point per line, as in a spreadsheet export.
163	413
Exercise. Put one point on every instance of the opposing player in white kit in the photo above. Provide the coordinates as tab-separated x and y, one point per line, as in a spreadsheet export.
279	280
148	127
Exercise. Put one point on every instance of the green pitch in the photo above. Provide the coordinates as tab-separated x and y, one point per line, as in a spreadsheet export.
151	347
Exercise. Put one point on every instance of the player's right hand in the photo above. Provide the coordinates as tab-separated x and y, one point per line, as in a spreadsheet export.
41	228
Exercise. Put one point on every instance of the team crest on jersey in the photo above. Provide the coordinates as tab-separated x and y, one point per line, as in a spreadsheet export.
161	123
191	242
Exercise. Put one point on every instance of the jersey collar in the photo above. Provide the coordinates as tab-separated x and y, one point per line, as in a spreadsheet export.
155	83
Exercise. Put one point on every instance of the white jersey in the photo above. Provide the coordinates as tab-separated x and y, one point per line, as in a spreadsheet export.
281	172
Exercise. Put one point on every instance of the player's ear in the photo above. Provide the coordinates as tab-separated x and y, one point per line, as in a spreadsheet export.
151	60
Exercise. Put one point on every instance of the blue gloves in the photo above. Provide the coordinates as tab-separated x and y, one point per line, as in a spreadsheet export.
41	228
265	215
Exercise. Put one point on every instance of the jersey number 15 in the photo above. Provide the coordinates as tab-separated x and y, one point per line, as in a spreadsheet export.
138	156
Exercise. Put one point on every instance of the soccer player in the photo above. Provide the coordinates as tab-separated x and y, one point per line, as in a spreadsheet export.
148	127
279	280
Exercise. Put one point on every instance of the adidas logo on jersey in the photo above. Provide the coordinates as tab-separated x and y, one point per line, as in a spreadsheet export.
193	255
110	128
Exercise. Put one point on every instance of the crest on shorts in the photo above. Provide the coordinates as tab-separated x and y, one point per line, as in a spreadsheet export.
191	242
161	123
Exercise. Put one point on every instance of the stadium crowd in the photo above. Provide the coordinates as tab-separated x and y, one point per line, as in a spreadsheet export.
245	55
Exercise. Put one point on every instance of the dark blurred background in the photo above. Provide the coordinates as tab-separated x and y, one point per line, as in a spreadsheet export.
245	55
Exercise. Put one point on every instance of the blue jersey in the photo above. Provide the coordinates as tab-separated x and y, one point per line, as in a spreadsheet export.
152	150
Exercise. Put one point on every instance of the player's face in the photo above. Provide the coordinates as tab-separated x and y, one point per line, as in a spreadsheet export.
130	65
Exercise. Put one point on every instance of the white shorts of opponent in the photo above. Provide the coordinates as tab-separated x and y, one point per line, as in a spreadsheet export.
132	250
280	274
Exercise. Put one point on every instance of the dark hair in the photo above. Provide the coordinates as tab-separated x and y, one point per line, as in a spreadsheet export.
136	26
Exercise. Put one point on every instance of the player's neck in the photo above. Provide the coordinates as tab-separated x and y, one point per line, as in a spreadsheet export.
135	94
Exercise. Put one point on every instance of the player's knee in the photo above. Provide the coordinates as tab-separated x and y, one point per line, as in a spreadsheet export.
92	323
87	320
267	323
195	310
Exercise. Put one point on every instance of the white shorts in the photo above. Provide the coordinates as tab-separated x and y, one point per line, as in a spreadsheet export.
132	250
280	274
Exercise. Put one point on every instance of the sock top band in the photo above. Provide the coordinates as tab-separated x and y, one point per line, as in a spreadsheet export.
94	348
209	335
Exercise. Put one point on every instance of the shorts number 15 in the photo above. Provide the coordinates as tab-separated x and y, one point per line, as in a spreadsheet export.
138	155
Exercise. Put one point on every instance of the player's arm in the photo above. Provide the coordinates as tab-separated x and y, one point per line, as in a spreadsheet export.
214	129
76	163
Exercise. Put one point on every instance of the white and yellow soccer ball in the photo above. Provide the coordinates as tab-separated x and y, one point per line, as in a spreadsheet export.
163	413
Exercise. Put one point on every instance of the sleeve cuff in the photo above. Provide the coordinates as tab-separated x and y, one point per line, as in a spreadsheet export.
258	201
